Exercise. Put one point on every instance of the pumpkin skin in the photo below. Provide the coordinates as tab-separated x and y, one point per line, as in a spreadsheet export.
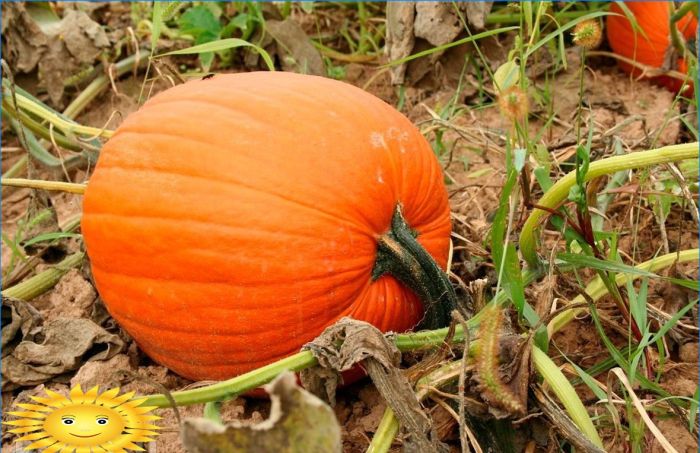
230	220
654	19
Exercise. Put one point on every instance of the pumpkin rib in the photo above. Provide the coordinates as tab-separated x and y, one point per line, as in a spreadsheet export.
208	224
260	191
358	269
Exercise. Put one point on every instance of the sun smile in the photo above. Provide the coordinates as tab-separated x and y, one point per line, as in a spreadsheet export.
78	435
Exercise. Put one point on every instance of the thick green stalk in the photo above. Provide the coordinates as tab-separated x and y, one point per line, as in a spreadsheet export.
559	191
43	281
402	256
231	388
59	121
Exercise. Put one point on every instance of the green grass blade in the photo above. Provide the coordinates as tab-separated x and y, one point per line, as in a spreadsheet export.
223	44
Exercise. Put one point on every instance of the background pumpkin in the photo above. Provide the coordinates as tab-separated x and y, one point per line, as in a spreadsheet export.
654	19
230	220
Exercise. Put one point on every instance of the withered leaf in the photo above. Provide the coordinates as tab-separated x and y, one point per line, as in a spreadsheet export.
299	422
60	346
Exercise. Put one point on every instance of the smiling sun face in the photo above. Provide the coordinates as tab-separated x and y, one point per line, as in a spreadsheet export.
106	421
83	425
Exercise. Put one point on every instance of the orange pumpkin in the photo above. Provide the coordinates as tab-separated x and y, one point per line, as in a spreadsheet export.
230	220
654	19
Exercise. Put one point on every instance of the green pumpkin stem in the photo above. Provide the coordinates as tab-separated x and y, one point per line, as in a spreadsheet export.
402	256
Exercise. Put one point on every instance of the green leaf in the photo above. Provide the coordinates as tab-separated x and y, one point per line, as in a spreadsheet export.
200	23
519	156
500	220
588	380
212	411
506	76
672	322
693	410
50	237
602	265
157	20
223	44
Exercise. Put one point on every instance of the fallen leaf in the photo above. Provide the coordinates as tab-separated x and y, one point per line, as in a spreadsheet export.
348	342
58	51
296	52
60	346
298	422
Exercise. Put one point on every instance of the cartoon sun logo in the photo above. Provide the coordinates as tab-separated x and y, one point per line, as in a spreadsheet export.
85	422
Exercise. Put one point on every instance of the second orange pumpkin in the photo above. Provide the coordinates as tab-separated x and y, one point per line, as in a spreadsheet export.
650	46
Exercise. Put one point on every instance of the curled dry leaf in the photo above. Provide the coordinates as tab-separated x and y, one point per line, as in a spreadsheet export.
59	346
20	320
58	51
298	422
349	342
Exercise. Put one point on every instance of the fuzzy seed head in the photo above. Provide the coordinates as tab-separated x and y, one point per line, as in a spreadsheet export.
588	34
513	103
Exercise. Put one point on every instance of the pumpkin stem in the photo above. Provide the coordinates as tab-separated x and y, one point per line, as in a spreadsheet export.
402	256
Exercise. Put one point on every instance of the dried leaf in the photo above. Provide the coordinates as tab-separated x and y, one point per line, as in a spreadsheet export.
436	22
60	346
299	422
59	51
296	51
349	342
20	320
400	17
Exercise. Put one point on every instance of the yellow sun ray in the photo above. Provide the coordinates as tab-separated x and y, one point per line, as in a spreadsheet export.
54	448
42	443
28	414
34	407
24	422
27	429
33	436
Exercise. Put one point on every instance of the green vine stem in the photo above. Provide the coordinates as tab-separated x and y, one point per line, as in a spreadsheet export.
676	39
386	432
98	84
597	289
233	387
60	122
43	281
560	190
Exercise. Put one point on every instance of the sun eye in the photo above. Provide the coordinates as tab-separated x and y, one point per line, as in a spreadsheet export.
68	421
102	420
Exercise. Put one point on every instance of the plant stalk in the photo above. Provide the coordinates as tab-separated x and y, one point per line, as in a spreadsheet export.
560	190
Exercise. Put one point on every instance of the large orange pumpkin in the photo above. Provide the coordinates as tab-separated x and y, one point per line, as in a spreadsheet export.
654	19
230	220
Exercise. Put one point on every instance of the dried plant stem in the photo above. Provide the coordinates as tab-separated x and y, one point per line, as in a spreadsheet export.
45	185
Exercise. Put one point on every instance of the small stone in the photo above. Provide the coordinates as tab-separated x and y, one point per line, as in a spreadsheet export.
688	353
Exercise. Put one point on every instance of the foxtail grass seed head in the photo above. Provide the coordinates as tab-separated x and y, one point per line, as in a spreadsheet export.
588	34
513	103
